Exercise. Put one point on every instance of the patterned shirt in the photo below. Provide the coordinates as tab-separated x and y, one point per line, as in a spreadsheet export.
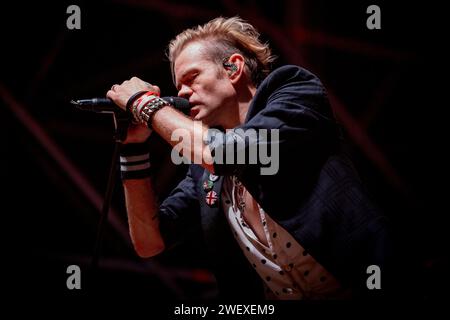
289	272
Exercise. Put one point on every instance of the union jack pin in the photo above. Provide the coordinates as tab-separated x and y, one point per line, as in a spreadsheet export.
211	198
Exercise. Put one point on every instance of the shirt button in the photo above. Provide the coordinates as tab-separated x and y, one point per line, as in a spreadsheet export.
288	290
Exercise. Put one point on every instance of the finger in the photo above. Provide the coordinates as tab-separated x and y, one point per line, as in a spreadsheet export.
110	94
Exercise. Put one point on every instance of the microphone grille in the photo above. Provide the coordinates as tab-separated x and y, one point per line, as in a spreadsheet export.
179	103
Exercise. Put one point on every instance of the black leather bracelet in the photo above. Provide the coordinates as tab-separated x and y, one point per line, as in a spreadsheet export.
133	98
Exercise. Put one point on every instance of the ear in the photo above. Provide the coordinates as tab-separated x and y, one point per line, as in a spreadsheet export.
235	67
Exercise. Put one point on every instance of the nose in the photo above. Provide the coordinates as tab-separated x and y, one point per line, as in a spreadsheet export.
185	92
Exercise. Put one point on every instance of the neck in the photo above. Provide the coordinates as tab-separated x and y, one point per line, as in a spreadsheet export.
242	105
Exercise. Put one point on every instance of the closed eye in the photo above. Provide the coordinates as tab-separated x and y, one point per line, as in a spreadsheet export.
191	78
188	79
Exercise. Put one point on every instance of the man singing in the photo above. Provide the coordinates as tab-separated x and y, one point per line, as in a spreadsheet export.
299	226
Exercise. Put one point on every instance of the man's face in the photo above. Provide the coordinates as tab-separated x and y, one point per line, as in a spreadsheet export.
205	84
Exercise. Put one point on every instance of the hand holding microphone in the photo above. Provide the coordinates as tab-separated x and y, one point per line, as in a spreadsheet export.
118	98
120	94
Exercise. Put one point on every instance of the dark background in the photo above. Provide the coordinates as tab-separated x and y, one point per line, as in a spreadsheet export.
388	88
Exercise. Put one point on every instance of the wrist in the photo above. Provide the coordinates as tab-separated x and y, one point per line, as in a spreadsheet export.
135	99
145	106
148	111
135	161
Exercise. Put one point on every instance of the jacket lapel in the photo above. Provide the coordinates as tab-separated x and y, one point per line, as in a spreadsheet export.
213	221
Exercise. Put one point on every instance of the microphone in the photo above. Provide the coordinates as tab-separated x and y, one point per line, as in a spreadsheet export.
105	105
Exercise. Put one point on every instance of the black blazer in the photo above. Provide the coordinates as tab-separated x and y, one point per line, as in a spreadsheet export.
315	194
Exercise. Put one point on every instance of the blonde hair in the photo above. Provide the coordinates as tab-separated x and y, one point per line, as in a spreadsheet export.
223	37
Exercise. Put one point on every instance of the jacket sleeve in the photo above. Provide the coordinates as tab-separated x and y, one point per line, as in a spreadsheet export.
294	112
179	213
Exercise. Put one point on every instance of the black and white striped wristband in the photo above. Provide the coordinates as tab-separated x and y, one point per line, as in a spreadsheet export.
135	161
